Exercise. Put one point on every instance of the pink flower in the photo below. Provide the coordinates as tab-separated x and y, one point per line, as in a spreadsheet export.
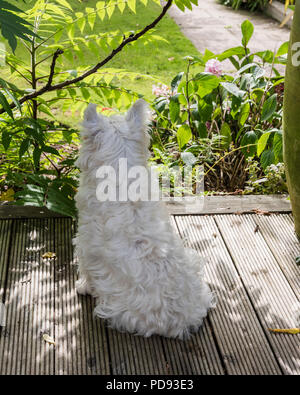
214	66
161	90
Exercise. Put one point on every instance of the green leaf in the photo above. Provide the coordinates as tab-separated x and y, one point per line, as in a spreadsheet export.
58	202
283	49
101	10
202	130
206	83
226	133
110	9
184	134
278	146
247	31
121	6
65	4
13	26
188	158
91	17
36	156
205	110
6	139
85	93
180	5
248	140
262	142
269	108
81	21
28	198
132	5
176	80
233	89
50	150
239	51
244	113
8	6
24	147
267	158
174	108
5	105
71	31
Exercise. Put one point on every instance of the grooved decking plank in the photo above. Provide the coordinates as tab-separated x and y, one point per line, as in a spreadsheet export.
279	233
271	294
5	236
241	340
131	354
29	291
228	204
81	344
199	354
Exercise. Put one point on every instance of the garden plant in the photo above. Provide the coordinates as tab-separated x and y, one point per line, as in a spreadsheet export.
228	121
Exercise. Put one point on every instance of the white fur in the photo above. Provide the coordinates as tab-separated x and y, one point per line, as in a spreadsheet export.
129	257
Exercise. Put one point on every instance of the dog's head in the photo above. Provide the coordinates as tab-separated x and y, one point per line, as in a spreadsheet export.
101	134
131	125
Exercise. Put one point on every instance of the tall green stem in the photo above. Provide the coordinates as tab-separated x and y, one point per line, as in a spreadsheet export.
291	119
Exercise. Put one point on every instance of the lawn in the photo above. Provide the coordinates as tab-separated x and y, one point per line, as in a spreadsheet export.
162	59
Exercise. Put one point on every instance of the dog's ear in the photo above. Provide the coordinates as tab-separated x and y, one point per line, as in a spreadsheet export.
138	114
90	114
93	122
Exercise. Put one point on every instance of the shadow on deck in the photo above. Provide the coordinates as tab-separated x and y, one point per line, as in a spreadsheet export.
250	265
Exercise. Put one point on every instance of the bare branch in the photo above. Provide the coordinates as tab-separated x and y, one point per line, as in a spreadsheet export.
52	67
49	88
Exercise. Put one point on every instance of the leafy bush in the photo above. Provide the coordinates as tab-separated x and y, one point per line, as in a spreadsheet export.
211	117
220	118
36	158
272	180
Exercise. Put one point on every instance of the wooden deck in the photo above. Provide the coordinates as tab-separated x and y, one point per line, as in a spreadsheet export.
250	265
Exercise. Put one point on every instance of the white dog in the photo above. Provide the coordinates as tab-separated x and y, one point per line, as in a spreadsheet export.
144	280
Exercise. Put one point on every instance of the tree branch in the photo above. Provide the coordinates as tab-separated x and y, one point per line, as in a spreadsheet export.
49	87
52	67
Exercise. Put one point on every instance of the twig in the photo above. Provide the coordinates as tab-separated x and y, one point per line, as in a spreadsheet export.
52	67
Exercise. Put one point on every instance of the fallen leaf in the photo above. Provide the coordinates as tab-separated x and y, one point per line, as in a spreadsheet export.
48	339
49	255
298	260
291	331
7	196
256	229
260	212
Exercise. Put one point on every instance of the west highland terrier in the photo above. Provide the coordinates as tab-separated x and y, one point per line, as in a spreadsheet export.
144	280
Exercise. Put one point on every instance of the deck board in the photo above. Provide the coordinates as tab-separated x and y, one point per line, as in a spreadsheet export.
265	283
278	232
252	272
244	347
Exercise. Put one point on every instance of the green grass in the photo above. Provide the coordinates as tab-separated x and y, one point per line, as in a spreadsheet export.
162	60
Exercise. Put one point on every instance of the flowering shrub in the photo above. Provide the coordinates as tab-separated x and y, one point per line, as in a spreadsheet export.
214	66
161	90
223	118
